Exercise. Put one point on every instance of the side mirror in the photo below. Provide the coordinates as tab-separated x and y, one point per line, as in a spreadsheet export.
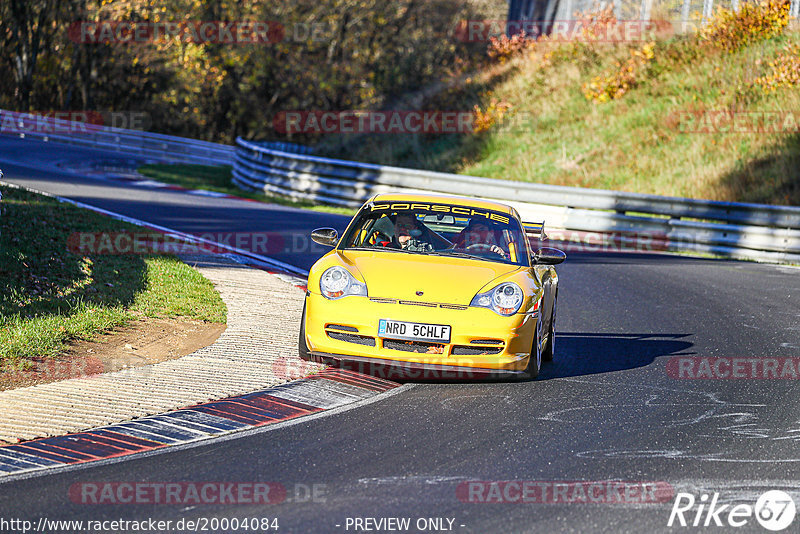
325	236
548	256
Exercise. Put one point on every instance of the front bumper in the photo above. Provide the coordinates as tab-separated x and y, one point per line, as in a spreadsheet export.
409	370
345	332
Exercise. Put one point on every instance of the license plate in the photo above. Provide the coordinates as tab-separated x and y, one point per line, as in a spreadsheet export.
414	331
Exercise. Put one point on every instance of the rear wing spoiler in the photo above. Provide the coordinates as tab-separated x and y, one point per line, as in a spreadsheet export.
534	231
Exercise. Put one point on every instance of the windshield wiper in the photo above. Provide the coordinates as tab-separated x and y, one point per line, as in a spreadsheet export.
373	249
456	254
469	256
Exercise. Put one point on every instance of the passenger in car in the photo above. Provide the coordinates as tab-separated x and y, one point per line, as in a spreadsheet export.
479	235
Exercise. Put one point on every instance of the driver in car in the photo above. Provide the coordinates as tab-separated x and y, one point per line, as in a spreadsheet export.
411	234
479	236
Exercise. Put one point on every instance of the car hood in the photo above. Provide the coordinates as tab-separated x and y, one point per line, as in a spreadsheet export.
440	279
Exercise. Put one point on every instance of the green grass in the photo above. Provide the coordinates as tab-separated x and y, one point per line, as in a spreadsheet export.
218	178
556	136
50	295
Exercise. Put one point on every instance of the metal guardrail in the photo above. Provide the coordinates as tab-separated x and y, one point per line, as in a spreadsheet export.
754	231
294	148
733	229
130	142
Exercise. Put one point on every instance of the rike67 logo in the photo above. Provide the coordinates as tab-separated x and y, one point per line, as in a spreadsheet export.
774	510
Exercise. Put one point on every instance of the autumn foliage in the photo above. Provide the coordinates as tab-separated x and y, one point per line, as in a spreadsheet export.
502	48
616	83
330	55
494	113
731	30
784	70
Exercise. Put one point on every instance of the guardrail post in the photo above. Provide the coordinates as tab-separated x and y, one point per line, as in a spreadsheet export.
708	9
644	10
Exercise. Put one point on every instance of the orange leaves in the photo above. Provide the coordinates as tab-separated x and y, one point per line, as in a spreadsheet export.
613	85
728	31
596	23
731	30
501	49
784	70
495	112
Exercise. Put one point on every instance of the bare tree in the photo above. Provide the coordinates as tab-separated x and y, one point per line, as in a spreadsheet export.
28	20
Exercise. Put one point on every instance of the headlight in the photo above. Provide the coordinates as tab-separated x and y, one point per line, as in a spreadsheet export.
504	299
337	282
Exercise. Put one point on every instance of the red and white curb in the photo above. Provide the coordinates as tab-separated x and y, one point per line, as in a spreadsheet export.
329	389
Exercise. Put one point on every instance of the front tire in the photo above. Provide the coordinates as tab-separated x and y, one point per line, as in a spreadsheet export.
547	355
302	347
535	360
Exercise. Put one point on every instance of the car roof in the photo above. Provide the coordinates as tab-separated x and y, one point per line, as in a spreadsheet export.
445	199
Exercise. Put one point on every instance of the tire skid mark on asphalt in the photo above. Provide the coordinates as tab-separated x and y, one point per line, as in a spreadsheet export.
331	388
716	418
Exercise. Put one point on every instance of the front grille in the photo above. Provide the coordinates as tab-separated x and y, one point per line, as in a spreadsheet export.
413	346
352	338
417	303
463	350
383	301
453	306
342	327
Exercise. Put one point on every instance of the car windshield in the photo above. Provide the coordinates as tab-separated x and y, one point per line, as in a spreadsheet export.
438	229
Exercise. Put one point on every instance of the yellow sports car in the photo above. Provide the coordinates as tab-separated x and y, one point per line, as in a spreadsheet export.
432	286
